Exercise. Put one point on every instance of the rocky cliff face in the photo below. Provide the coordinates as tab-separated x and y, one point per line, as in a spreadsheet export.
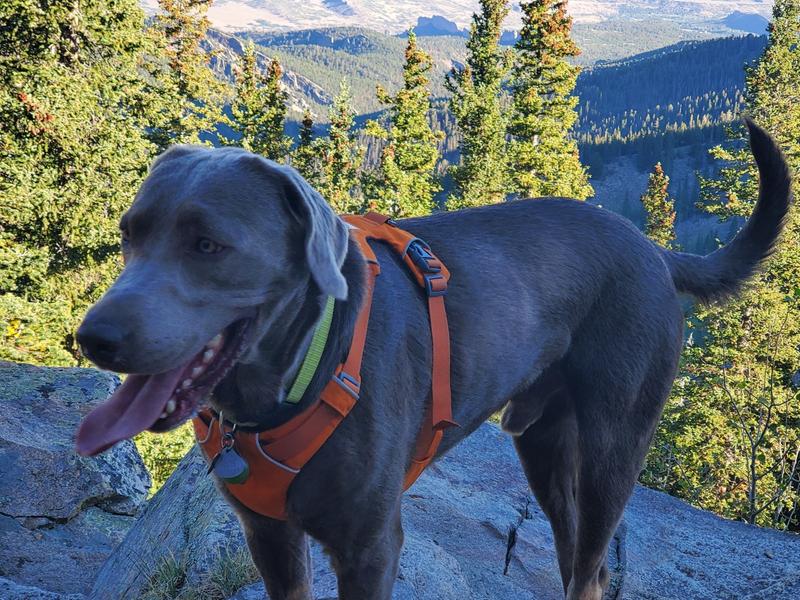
227	51
472	529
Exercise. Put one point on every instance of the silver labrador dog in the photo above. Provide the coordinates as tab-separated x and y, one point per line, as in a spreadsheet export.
561	312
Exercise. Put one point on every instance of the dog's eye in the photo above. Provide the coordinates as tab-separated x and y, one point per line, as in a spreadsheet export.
207	246
124	234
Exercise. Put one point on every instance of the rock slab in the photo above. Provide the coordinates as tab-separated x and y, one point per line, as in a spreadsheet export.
457	519
61	515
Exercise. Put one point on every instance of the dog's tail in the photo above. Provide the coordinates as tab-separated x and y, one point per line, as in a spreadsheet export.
721	273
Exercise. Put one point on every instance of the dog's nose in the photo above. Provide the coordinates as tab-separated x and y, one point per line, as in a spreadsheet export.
100	342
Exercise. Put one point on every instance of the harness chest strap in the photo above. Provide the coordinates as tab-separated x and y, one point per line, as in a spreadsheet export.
433	277
276	456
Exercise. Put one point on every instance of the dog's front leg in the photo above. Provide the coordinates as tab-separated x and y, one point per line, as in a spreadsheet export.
280	552
366	564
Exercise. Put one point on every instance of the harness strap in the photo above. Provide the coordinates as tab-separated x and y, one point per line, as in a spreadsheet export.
442	408
433	277
352	364
325	415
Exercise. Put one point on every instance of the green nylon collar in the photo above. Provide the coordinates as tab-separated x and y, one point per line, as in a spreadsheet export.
313	355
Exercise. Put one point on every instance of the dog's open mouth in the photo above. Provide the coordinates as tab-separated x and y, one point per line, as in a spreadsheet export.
162	401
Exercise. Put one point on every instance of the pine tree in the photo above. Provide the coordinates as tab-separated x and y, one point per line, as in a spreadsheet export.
660	209
482	177
305	157
341	157
544	158
259	107
406	182
192	97
72	152
730	439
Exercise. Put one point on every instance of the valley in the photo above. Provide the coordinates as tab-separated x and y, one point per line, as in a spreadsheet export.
670	103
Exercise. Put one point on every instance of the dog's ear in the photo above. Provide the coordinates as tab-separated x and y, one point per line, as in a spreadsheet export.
325	233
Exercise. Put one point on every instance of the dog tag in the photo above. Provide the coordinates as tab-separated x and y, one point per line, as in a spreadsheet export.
229	466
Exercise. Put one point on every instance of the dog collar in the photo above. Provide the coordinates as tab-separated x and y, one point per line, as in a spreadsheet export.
313	354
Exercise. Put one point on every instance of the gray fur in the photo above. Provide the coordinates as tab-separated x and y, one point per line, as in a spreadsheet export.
559	311
721	273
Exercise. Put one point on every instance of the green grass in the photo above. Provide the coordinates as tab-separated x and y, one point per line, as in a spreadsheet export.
167	580
161	452
231	571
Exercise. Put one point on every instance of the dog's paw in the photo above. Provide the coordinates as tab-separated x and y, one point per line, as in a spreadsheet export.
519	415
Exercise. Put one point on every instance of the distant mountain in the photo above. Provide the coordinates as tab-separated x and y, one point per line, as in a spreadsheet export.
748	22
438	25
395	16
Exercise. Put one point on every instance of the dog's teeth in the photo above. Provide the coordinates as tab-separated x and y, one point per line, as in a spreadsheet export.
163	415
208	356
171	404
216	342
196	371
186	383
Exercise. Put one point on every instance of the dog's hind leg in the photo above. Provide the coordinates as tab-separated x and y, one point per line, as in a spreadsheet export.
548	453
618	398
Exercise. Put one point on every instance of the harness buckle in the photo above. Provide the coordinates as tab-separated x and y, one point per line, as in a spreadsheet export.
349	383
430	267
435	285
420	254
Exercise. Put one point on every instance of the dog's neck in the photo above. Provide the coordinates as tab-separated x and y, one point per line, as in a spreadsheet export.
251	395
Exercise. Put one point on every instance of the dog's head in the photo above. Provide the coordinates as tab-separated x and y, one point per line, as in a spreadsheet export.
216	241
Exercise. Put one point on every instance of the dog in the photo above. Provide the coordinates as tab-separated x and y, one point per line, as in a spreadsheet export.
559	311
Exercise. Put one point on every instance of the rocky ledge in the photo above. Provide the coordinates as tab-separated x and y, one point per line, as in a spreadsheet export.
61	515
472	529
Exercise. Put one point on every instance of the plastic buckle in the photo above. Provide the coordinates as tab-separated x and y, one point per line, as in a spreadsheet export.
421	256
435	285
349	383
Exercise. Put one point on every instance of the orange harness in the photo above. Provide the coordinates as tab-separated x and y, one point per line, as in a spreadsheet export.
277	455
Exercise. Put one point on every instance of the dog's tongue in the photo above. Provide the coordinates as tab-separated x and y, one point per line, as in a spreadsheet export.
135	406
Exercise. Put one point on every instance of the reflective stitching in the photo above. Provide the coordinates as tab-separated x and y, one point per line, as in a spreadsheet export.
208	435
272	460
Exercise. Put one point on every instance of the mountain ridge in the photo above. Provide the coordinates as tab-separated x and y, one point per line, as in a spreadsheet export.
399	15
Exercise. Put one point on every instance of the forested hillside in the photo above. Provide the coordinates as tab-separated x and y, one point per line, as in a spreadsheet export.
684	86
366	58
670	106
